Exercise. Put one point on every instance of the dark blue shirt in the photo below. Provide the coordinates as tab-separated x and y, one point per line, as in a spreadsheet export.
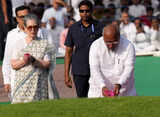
81	38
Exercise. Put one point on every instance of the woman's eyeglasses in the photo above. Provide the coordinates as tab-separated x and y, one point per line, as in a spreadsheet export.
32	27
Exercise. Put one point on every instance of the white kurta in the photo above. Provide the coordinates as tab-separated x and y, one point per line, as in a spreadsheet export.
128	31
137	10
155	38
54	36
108	68
143	43
57	14
12	37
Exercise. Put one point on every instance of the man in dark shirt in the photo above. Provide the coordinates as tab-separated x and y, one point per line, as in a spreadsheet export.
80	37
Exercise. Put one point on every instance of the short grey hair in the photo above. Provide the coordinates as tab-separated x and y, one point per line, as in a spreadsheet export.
31	17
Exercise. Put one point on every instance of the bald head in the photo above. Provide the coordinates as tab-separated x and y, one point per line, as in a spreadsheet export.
111	31
111	36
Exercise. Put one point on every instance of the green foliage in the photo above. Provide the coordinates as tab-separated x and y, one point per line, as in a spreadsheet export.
101	107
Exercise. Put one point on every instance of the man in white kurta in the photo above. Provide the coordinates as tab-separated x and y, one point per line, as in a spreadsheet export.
112	66
155	34
127	28
137	9
55	11
13	36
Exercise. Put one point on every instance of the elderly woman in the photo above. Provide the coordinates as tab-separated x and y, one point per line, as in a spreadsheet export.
31	59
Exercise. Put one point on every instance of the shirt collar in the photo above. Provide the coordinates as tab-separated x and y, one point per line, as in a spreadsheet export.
92	22
18	29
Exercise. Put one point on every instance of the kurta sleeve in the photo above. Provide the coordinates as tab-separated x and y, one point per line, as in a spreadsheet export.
6	67
15	50
94	62
45	17
132	35
128	66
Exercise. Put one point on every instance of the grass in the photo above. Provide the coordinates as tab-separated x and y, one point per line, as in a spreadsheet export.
146	84
147	76
3	103
103	107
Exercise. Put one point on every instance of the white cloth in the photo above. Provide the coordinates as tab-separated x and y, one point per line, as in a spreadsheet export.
43	33
155	38
57	14
147	30
155	4
143	43
111	67
54	37
76	15
107	2
7	71
137	10
12	37
128	31
15	4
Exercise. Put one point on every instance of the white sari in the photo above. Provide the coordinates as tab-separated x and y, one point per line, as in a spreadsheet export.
32	83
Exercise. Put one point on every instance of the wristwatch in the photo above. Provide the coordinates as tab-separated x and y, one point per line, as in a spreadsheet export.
32	59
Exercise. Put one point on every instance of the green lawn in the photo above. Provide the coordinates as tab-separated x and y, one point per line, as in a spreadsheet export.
147	76
117	107
147	81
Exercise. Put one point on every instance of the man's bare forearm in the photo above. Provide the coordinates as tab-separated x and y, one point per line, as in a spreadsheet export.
67	61
4	8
